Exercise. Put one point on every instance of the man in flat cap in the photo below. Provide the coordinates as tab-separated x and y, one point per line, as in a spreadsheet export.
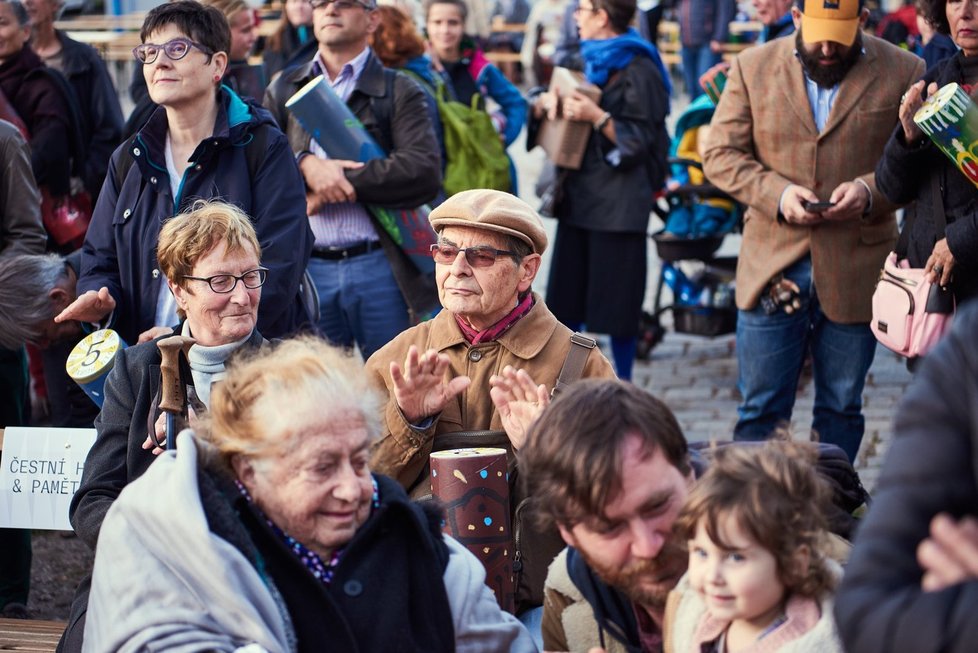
485	362
796	137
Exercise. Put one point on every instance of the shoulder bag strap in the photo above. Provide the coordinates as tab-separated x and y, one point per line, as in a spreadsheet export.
573	366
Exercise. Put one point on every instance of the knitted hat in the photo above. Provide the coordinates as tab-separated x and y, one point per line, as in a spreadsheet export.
830	20
492	210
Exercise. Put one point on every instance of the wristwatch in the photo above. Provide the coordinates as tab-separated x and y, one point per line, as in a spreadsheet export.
598	126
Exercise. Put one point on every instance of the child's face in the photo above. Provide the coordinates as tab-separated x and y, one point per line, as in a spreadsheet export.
739	582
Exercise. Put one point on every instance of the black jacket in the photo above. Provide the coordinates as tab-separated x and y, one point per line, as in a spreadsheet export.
407	178
905	174
617	195
99	104
388	592
931	467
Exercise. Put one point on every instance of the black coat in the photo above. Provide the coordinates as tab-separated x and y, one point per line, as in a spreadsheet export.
617	197
99	104
906	174
931	467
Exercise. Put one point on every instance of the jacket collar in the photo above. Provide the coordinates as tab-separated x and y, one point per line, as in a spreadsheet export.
525	340
371	81
613	611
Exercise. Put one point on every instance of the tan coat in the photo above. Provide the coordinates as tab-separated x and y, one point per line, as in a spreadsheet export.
538	343
763	137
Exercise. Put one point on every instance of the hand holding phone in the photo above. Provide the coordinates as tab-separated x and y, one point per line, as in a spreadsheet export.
817	207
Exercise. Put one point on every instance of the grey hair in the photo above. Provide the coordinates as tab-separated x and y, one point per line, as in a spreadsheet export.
25	281
20	12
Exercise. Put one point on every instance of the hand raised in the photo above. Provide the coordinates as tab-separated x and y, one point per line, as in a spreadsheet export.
91	306
950	555
519	401
420	388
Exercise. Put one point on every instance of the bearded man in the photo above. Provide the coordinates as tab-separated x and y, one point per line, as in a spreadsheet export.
796	137
608	464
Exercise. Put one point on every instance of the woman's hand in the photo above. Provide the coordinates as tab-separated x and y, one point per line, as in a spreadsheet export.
909	104
580	107
546	103
950	555
940	264
154	333
420	389
91	306
519	401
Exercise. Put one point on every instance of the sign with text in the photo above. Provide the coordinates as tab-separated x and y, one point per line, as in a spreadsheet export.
40	469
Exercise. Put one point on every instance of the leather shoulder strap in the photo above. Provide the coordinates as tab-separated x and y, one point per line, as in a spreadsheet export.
573	366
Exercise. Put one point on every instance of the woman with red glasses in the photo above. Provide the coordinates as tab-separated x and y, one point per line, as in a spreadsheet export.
202	142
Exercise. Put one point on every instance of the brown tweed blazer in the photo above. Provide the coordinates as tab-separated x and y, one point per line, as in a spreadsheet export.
763	138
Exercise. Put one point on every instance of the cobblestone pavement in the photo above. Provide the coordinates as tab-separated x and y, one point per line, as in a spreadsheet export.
697	378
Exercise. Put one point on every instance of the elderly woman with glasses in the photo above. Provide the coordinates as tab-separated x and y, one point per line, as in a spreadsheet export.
204	141
285	540
211	261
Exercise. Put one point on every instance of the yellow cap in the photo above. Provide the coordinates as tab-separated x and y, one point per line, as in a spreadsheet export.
830	20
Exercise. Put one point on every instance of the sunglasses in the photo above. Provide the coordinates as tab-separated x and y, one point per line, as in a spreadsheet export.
175	49
480	256
341	5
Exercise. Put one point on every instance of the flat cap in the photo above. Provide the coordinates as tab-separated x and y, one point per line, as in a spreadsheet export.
492	210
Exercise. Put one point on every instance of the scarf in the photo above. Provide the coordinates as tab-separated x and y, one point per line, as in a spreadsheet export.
602	57
493	333
207	364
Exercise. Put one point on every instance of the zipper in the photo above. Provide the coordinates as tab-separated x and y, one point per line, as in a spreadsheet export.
907	292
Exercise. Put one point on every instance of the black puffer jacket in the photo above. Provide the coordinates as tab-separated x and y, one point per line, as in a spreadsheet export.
932	467
906	174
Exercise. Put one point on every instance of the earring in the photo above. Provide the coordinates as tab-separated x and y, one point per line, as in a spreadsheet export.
217	78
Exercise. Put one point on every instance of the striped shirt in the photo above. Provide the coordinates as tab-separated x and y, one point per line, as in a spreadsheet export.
343	223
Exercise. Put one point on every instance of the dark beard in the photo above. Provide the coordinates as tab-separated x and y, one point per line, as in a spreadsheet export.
831	75
660	574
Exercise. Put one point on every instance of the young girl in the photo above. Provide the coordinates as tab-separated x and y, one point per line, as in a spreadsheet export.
757	579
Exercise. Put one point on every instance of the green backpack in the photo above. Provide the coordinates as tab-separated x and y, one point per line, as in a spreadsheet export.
476	156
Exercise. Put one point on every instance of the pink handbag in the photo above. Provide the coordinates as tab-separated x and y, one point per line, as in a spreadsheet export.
910	314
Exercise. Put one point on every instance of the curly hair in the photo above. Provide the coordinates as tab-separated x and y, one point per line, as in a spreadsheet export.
935	13
776	496
396	39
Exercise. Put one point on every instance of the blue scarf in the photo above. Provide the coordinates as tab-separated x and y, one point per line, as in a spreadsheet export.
605	56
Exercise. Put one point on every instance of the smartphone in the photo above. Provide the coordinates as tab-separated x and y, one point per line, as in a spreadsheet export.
817	207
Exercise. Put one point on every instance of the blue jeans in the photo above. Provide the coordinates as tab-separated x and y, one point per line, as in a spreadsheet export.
771	350
359	301
696	61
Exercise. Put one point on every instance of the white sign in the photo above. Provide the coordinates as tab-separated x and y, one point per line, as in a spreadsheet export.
40	470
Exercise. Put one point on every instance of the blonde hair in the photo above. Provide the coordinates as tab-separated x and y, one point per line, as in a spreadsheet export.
187	237
229	8
253	409
776	496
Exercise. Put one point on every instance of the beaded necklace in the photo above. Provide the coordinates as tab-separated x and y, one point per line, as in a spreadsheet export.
323	571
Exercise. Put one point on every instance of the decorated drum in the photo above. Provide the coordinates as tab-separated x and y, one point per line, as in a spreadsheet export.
949	117
90	362
473	486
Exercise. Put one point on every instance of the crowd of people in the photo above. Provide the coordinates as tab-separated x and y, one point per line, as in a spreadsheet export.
339	319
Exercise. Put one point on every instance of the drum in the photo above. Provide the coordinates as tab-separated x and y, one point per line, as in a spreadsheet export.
90	362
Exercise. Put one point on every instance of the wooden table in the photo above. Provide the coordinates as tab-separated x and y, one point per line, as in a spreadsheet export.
29	634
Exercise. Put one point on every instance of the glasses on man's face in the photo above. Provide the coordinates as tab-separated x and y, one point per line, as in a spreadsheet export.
175	49
341	5
480	256
225	283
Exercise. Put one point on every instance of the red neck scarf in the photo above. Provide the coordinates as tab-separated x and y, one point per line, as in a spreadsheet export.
474	337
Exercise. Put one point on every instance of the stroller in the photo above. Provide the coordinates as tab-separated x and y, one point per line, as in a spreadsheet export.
697	219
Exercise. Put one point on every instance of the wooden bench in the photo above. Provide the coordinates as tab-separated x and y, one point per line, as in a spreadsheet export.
29	634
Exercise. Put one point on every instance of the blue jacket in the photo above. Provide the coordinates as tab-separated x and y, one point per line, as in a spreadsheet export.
120	247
